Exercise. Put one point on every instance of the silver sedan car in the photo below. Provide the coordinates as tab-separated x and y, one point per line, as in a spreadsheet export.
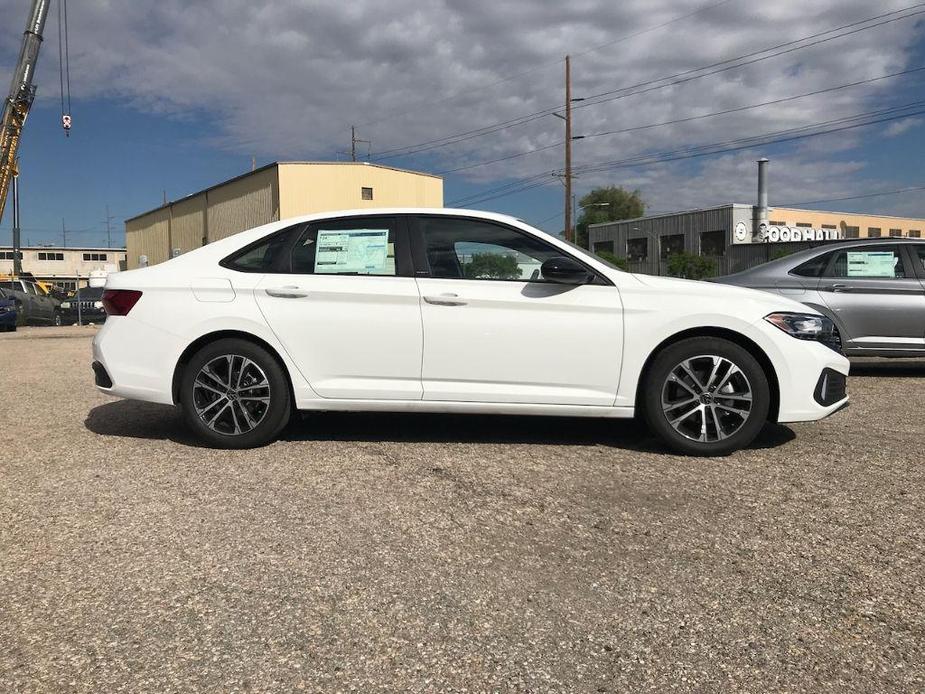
874	291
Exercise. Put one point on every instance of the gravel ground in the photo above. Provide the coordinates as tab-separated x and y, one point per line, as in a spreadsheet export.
445	553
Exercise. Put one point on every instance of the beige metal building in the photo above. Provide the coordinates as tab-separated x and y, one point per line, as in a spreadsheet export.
63	266
277	191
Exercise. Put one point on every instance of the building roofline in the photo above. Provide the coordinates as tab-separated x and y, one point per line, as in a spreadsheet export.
276	164
65	248
358	163
745	205
846	214
666	214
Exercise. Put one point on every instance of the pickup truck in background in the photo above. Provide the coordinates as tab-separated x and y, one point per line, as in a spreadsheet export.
34	306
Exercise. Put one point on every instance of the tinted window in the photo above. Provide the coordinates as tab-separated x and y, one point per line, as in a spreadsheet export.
262	257
713	243
919	252
358	246
880	262
477	250
814	267
671	245
637	249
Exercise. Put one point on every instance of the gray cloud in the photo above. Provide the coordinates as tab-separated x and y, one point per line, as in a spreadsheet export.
286	79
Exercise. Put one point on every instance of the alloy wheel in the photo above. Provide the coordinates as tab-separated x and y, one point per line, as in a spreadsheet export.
706	398
231	394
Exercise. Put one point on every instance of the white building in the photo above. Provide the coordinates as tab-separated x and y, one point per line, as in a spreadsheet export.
64	267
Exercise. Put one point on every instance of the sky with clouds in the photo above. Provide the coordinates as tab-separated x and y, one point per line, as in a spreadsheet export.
170	96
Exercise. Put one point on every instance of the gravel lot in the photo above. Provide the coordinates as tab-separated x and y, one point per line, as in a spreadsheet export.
445	553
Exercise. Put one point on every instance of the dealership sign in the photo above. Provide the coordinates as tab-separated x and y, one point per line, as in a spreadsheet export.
778	234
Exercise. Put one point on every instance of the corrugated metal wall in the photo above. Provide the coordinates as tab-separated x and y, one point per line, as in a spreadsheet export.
188	223
149	236
243	204
613	237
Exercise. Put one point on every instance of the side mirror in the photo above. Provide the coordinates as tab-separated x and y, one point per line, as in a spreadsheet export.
565	271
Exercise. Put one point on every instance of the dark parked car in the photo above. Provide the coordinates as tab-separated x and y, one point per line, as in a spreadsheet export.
874	291
8	312
85	306
35	307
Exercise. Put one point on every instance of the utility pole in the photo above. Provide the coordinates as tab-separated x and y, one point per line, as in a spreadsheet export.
353	143
109	219
63	233
17	231
568	148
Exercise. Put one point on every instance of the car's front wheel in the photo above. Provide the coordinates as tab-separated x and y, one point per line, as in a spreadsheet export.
234	394
706	396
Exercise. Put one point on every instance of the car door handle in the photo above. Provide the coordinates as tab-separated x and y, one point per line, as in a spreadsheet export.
838	288
287	292
445	300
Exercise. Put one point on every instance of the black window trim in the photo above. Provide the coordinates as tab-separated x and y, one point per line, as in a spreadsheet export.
422	265
403	263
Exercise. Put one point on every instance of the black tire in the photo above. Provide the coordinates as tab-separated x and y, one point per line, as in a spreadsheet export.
59	321
716	425
194	397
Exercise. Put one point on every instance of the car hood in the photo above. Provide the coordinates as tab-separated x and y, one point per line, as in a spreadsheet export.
723	296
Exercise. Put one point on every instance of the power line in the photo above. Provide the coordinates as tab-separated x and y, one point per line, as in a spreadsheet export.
686	120
653	85
780	136
789	135
550	63
898	191
753	106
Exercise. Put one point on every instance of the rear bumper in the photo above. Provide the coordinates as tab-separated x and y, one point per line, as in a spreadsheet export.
8	319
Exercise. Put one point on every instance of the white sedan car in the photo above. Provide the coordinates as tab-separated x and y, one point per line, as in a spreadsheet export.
424	310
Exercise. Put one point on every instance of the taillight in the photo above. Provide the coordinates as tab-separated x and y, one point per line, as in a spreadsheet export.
118	302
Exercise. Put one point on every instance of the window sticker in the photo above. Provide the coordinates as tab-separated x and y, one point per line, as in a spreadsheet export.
872	263
359	251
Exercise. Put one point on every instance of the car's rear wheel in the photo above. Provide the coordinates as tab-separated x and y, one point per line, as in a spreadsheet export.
234	394
706	396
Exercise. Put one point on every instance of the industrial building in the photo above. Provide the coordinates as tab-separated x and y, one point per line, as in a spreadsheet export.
63	266
274	192
738	236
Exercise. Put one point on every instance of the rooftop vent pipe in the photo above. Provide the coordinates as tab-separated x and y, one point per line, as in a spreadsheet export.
762	192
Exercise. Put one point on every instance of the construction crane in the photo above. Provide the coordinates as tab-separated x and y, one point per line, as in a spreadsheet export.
17	105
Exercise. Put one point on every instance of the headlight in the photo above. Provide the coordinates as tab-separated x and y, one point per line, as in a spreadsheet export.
66	304
803	326
97	304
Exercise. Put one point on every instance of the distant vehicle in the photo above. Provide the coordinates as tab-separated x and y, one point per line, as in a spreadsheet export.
85	306
873	290
415	310
37	308
9	313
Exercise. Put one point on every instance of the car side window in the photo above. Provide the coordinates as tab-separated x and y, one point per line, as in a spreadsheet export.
354	246
871	262
920	254
262	256
460	248
814	267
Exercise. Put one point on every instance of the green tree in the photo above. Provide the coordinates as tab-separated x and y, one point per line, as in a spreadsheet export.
691	267
607	204
493	266
614	260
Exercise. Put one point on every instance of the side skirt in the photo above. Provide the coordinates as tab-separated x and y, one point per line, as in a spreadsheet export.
466	408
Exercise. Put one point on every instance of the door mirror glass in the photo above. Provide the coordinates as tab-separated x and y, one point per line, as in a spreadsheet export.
564	271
